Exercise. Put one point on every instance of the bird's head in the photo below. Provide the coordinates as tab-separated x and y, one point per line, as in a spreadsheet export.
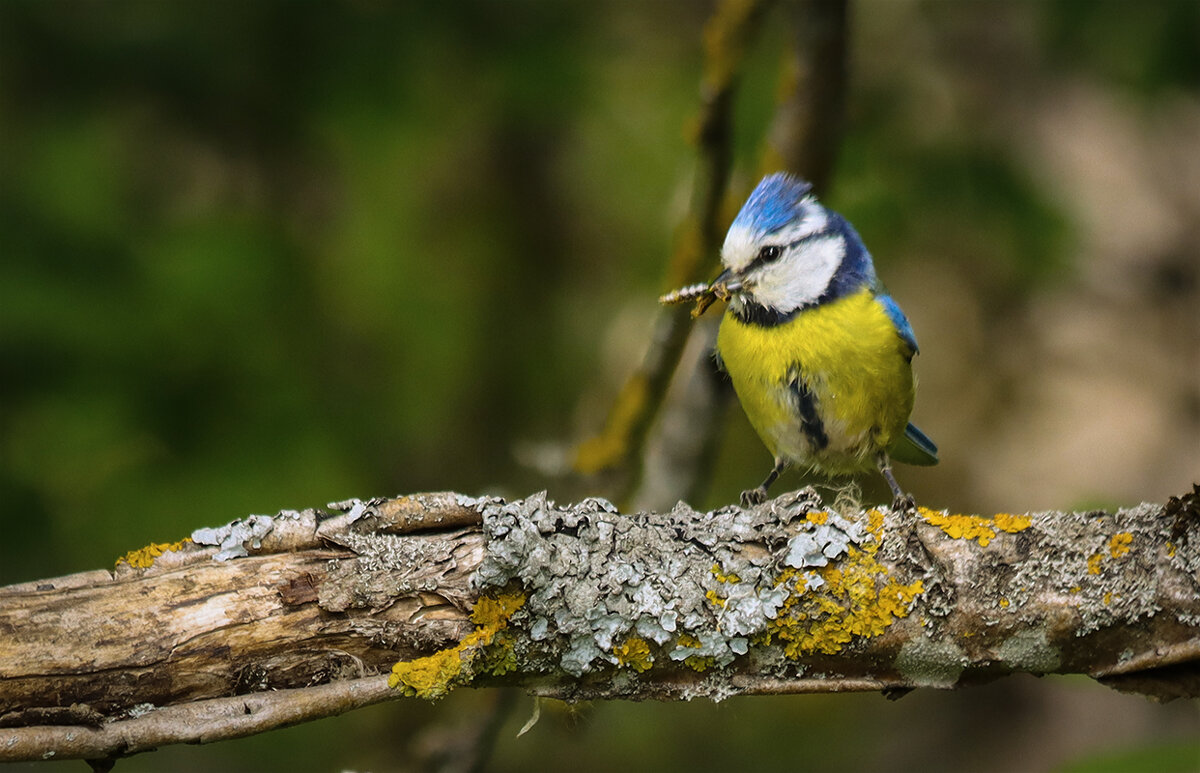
785	252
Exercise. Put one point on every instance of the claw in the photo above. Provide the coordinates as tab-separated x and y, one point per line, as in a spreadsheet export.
754	496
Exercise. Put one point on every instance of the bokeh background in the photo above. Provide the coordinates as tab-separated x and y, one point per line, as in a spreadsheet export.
276	254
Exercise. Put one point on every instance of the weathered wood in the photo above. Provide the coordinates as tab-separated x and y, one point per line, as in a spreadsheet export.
190	627
297	616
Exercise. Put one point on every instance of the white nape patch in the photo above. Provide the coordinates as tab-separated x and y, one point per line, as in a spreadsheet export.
814	220
801	276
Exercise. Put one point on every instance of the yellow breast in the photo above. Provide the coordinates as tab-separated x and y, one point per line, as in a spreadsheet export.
848	356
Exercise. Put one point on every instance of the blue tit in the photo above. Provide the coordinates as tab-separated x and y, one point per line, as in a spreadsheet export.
819	354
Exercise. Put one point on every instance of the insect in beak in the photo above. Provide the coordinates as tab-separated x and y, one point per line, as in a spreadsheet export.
705	294
726	284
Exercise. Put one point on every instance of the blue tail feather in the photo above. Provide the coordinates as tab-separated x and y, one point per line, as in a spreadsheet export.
914	448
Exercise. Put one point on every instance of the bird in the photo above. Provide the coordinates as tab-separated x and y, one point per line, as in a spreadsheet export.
820	355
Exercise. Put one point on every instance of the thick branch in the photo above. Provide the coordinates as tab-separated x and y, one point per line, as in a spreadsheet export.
296	616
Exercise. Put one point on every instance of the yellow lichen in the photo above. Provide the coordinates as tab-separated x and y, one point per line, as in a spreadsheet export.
143	558
1119	544
983	530
818	517
493	612
699	662
859	598
1012	523
434	675
499	658
1170	550
687	640
1075	589
634	653
1108	598
715	598
1094	563
1004	602
722	577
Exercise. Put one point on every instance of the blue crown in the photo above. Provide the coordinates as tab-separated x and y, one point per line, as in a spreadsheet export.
773	204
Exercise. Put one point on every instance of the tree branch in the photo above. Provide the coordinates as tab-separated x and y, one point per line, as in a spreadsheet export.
618	447
803	139
807	127
283	619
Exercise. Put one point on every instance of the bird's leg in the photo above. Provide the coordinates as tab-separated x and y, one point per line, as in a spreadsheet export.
900	500
757	496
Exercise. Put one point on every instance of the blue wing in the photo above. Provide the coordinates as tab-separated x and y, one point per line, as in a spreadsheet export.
914	447
903	328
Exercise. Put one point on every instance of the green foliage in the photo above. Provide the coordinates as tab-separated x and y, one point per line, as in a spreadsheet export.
1145	51
975	205
275	255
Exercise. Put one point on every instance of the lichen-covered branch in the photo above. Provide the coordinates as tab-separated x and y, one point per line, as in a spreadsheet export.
269	621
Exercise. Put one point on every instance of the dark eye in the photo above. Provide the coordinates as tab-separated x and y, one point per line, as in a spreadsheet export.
769	253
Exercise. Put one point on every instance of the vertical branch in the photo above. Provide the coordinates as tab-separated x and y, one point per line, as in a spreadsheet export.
619	446
807	128
803	139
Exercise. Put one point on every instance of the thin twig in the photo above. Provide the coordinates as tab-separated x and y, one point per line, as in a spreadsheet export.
213	719
803	139
619	445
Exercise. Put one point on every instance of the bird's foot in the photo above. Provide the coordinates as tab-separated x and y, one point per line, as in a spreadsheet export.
901	502
754	496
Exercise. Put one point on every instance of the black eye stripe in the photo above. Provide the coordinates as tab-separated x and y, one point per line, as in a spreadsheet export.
772	252
768	254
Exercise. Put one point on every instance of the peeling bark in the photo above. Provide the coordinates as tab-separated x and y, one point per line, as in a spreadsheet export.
298	616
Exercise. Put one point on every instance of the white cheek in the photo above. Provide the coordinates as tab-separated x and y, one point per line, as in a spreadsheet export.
801	277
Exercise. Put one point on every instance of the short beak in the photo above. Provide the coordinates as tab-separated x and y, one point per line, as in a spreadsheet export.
726	284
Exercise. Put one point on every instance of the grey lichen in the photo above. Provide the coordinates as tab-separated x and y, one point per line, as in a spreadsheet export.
1105	567
1030	650
353	508
257	533
390	566
747	607
474	503
698	584
139	710
927	662
828	540
237	538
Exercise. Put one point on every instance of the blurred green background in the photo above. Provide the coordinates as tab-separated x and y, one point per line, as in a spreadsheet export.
275	254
